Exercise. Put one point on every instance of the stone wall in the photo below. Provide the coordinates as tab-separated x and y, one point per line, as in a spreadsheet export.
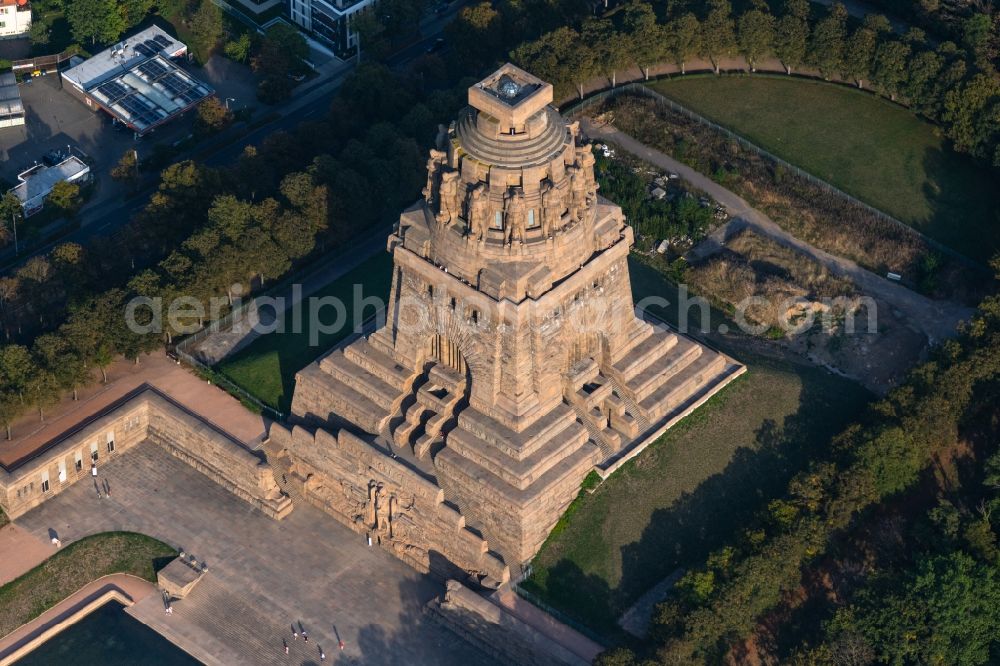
146	413
382	497
496	631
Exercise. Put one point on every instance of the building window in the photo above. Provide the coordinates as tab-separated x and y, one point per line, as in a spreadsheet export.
430	291
453	303
475	316
531	218
62	471
111	442
498	220
78	462
45	482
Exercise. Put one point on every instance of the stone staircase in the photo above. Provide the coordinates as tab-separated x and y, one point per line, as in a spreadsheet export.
425	415
219	626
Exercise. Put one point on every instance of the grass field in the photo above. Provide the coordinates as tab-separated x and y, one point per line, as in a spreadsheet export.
69	569
266	367
864	145
695	487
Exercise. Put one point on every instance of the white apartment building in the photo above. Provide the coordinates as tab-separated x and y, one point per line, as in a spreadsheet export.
15	18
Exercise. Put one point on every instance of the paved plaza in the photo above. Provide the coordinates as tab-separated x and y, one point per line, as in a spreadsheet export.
263	575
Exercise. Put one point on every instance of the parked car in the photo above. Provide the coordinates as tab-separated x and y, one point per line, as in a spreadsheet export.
436	46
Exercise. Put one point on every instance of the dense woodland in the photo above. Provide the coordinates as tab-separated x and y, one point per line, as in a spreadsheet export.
883	552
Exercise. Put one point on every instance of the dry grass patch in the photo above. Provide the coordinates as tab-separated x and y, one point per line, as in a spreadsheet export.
787	283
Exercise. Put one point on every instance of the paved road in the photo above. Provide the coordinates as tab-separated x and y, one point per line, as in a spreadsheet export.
937	319
263	574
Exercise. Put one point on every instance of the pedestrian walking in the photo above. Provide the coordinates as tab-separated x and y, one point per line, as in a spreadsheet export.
322	656
305	636
340	644
295	633
284	644
107	487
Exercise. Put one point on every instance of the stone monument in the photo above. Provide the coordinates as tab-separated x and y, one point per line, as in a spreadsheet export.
511	361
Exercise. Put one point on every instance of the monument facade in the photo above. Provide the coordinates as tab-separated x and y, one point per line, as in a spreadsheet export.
511	361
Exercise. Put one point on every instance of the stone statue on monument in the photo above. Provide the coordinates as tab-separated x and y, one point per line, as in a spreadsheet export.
551	209
586	162
434	163
450	201
577	192
477	211
514	216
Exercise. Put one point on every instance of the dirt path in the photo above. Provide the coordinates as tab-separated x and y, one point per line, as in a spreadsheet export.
936	319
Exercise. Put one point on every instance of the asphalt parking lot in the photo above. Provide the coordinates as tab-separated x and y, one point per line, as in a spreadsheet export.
55	120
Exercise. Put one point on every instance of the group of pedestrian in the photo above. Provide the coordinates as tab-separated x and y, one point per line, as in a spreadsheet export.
103	487
297	629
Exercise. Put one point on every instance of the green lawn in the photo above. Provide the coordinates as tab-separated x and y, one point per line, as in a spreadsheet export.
25	598
864	145
266	368
690	491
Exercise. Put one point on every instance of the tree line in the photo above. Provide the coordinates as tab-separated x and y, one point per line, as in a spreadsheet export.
952	83
721	602
206	229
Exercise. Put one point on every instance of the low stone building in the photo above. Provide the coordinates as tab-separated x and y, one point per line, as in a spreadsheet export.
145	414
511	362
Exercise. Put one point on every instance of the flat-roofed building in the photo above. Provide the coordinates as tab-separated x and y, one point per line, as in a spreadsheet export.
11	108
331	20
137	81
15	18
35	184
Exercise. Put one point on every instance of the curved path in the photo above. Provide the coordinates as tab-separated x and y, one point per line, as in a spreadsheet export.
129	588
936	319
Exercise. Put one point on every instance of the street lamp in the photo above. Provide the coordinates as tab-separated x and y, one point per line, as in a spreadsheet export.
228	100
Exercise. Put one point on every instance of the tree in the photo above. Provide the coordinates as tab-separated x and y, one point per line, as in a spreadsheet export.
39	33
970	111
207	28
212	117
610	48
891	60
11	213
239	49
717	32
475	34
860	48
826	49
977	37
922	71
791	34
66	365
95	20
648	38
65	196
683	37
755	36
16	369
127	169
559	57
133	11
